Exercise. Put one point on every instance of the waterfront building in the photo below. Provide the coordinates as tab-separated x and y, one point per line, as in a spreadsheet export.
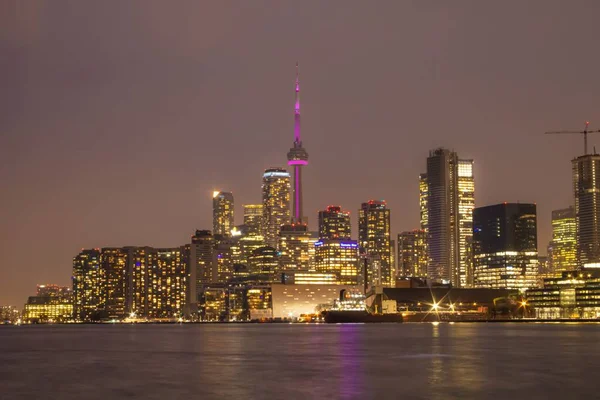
10	315
167	284
309	278
374	241
339	257
586	185
88	285
293	247
297	159
115	263
253	219
334	223
258	298
276	203
223	213
412	253
574	294
141	265
52	303
213	303
505	246
449	199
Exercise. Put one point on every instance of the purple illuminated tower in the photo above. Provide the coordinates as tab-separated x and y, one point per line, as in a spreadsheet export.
297	158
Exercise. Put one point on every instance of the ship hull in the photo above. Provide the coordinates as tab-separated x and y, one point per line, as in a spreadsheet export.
357	317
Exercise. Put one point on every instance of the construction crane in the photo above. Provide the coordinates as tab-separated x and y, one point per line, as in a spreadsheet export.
584	132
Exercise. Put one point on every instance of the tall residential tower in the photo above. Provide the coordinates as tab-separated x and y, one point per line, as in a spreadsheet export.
586	187
375	241
222	213
447	197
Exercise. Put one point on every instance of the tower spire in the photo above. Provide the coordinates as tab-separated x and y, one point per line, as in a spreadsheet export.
297	109
297	157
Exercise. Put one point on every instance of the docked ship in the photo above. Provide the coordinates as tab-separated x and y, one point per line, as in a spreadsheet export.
352	307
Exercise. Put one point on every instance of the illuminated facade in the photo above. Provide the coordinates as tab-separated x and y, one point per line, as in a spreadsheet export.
88	285
52	303
141	264
563	255
339	257
297	159
264	260
167	284
293	247
310	278
291	301
253	219
412	254
586	187
276	203
505	246
259	302
46	309
213	303
334	223
10	314
375	241
423	212
223	213
116	270
226	250
574	294
447	199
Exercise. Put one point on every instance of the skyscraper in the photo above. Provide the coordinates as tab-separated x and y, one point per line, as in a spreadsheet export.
563	254
167	284
340	257
423	187
203	258
276	203
116	266
293	247
374	240
297	158
334	223
223	221
412	253
253	219
448	220
505	246
88	285
586	186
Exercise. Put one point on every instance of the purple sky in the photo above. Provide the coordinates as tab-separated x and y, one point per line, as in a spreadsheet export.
118	119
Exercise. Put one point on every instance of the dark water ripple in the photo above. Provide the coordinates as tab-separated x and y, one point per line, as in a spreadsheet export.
409	361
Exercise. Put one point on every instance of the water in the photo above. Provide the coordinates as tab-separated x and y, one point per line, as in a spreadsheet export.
280	361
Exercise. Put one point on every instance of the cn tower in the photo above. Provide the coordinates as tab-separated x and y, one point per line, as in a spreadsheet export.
297	158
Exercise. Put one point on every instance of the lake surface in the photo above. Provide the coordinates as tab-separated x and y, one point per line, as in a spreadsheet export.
281	361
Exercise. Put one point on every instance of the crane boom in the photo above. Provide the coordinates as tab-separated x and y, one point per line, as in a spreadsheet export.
583	132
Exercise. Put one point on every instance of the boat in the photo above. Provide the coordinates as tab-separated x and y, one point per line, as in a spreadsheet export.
356	317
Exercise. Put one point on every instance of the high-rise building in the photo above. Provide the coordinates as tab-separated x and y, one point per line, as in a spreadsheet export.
52	303
223	221
297	158
293	247
505	246
340	257
586	185
448	220
276	203
116	265
423	188
141	265
167	284
265	260
563	254
334	223
374	240
203	258
253	219
88	285
412	253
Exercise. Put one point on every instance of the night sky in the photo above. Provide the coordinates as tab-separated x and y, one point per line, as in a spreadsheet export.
119	119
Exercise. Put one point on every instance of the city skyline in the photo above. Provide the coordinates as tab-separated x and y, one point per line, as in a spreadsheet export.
57	177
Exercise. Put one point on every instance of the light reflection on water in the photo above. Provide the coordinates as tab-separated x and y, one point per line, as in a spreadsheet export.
254	361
